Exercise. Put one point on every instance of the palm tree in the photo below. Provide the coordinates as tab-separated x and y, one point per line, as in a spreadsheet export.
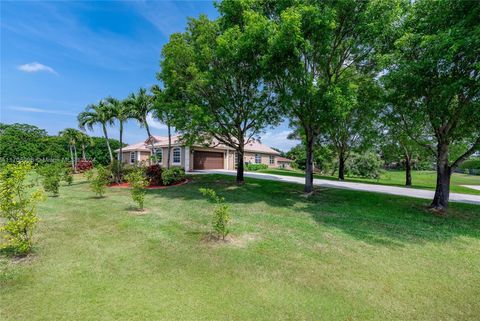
97	114
164	112
141	104
122	113
84	140
72	135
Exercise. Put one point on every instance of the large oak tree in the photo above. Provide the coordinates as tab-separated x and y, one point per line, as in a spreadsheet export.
314	47
435	73
214	70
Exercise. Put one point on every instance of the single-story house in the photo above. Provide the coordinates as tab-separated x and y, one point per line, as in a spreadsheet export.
216	156
284	162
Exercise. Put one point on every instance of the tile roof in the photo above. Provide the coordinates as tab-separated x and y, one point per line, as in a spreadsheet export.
251	146
141	146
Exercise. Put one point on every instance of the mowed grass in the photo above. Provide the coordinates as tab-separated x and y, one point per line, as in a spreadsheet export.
338	255
420	179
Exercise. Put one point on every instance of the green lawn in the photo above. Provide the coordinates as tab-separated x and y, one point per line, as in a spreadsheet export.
338	255
420	179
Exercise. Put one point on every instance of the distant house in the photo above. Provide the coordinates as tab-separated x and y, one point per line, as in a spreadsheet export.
284	162
216	156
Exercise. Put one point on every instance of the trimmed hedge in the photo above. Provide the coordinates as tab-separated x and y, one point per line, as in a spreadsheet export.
471	164
173	175
255	167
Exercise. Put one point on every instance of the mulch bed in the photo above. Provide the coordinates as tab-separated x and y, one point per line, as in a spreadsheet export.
125	185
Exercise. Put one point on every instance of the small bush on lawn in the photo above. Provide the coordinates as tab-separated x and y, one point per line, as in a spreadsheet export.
89	174
137	181
68	176
173	175
18	207
154	174
255	167
220	213
366	165
99	179
51	175
84	165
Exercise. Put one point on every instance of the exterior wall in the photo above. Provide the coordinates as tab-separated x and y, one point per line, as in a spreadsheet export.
228	157
249	157
164	161
284	165
144	157
141	157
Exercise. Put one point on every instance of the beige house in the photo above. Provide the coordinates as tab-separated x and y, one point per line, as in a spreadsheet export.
284	162
217	156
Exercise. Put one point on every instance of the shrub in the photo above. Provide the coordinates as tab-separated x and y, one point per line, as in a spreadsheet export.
18	207
137	181
366	165
173	175
220	213
51	175
84	165
255	167
126	170
118	174
89	174
99	180
471	164
68	176
154	174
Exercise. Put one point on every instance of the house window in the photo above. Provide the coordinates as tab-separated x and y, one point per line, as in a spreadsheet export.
176	155
133	157
272	160
258	159
159	155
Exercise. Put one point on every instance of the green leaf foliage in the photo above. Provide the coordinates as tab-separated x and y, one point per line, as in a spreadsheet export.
18	207
137	181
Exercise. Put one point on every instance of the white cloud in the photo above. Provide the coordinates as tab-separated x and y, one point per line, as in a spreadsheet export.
40	110
36	67
155	123
279	140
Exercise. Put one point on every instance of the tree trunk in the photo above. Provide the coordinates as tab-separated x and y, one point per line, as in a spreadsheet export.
71	158
408	170
169	145
240	165
150	139
341	166
83	151
442	189
309	166
76	158
120	155
108	143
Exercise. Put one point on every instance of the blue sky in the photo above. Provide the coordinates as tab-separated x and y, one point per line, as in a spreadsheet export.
57	57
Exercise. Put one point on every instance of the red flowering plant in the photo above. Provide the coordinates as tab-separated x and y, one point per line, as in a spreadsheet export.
154	174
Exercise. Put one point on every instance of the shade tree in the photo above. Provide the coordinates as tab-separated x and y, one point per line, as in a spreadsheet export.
215	69
313	49
434	70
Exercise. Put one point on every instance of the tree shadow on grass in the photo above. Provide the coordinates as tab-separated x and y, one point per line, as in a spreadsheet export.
374	218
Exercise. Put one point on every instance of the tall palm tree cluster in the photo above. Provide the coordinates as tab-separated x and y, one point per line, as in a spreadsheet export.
136	106
74	138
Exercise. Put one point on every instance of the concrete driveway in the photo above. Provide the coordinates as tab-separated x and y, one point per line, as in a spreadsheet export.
392	190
